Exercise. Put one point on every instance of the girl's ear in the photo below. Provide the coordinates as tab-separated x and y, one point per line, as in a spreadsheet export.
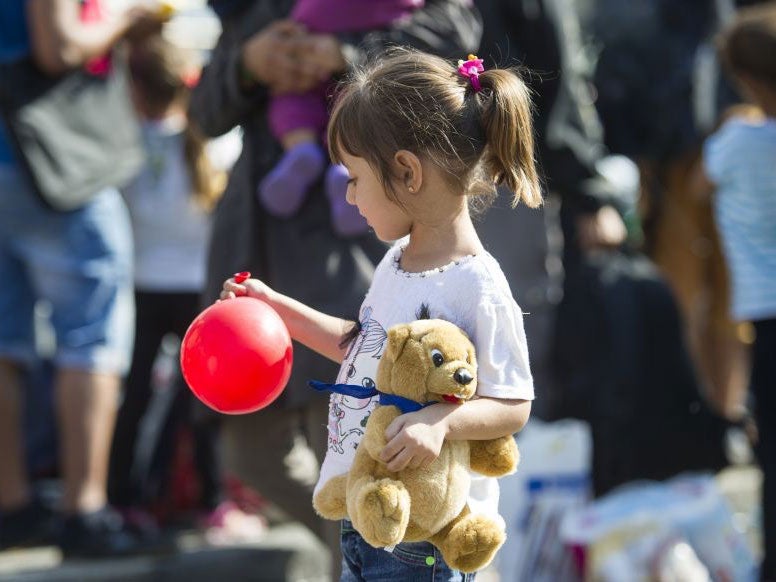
409	170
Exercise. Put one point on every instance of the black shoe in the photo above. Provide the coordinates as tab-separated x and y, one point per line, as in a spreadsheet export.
31	525
103	534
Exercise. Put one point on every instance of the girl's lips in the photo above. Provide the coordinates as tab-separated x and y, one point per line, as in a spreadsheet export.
451	398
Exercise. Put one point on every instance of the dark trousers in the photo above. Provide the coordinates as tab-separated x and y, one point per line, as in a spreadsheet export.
159	314
763	386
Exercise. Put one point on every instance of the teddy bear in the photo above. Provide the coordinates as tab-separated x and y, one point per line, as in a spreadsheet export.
425	361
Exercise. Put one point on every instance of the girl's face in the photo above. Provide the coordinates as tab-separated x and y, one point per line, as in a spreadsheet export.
365	191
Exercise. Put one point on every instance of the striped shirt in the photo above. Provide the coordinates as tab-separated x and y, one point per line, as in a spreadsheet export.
740	158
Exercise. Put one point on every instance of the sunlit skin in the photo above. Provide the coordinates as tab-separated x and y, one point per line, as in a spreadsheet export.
441	230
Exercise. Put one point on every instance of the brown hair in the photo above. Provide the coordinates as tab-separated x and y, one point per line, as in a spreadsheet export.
748	45
419	102
161	72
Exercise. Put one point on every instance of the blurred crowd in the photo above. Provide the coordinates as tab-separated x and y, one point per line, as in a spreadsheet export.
137	174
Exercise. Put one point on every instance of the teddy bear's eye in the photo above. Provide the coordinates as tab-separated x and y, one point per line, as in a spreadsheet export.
437	358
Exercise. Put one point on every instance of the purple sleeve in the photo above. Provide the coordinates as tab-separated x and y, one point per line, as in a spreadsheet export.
331	16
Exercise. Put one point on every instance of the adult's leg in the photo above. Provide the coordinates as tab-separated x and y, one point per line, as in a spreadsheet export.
17	302
93	318
205	425
86	405
764	391
24	520
150	327
14	486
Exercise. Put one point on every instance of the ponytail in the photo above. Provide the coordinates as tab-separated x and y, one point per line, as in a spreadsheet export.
474	125
507	121
208	183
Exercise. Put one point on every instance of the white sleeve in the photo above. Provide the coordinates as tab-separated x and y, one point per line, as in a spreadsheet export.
502	352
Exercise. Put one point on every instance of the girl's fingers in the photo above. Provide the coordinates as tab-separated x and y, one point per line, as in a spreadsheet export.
400	461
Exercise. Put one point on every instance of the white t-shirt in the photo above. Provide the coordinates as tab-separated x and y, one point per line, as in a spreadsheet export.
740	158
471	293
171	230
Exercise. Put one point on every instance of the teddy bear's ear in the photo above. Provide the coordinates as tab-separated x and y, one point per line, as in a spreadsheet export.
397	339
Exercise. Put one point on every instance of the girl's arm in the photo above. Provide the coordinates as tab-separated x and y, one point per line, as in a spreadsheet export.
415	439
61	41
701	186
318	331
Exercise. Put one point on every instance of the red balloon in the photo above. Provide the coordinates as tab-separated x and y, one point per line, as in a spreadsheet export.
236	355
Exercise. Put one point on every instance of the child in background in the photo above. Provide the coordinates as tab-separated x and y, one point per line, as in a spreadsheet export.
447	138
739	167
299	121
170	203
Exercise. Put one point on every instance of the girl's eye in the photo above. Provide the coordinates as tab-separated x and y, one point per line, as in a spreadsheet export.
437	357
351	181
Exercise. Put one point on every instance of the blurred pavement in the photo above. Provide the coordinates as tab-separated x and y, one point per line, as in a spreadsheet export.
287	553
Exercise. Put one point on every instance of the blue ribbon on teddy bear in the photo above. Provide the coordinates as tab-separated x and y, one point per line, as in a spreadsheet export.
355	391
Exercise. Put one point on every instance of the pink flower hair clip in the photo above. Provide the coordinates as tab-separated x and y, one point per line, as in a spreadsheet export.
471	68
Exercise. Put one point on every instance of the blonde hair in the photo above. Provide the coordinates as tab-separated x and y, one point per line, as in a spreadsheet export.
160	71
419	102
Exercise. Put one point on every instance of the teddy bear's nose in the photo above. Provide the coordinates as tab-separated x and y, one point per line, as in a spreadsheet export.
462	376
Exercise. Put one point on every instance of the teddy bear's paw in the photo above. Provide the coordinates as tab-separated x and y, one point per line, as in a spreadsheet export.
472	543
496	457
383	512
329	503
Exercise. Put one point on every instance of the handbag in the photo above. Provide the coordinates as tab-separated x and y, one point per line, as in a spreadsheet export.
74	134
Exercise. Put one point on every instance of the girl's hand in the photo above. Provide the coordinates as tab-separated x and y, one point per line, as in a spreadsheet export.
414	440
247	288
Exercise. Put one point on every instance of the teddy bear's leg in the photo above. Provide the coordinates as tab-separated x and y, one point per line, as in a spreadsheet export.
379	510
470	541
330	500
494	458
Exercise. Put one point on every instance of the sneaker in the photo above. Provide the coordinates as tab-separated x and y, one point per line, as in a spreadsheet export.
345	218
228	525
104	534
32	525
139	522
284	189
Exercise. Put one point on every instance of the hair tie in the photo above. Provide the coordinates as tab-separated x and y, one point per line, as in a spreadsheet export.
471	68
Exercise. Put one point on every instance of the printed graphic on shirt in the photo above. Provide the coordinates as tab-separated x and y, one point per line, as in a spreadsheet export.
359	367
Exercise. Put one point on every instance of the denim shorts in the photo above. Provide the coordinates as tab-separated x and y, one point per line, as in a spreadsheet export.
408	562
78	262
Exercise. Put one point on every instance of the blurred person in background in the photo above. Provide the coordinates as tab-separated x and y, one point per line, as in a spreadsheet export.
583	209
739	172
79	260
298	120
170	203
658	93
588	279
261	52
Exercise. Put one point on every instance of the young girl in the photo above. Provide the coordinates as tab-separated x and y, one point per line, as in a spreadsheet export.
447	137
170	203
739	168
298	121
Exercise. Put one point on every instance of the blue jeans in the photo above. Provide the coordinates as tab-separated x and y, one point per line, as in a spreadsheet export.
409	562
80	263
